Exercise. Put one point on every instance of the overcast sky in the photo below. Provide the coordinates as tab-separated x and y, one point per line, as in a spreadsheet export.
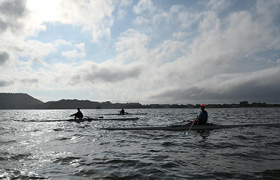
147	51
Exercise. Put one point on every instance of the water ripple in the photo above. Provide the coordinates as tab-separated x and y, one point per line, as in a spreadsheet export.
65	150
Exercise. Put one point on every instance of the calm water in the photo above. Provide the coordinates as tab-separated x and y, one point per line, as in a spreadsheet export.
69	150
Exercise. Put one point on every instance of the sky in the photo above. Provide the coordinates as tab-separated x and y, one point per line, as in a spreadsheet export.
146	51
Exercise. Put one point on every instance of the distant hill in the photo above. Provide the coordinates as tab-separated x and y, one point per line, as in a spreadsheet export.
18	101
71	104
86	104
25	101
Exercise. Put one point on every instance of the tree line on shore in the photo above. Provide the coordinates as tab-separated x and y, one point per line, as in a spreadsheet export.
25	101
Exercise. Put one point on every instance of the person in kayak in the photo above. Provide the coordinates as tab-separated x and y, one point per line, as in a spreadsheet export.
203	116
122	112
78	114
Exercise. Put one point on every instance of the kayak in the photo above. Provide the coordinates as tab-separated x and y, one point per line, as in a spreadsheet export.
126	114
208	126
103	119
86	119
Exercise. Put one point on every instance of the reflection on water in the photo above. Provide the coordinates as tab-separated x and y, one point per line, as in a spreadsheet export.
69	150
203	133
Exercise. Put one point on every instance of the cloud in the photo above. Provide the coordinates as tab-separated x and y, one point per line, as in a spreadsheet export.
74	54
3	26
98	74
97	21
28	52
38	48
4	57
92	16
221	45
4	83
131	39
11	12
256	86
81	46
111	74
28	82
15	8
184	18
217	5
77	53
144	6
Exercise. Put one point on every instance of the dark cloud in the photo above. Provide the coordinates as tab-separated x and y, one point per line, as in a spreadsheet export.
109	74
114	75
3	57
257	94
13	8
3	25
260	90
5	83
29	81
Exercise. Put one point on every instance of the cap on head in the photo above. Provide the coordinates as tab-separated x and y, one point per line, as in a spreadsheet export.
202	105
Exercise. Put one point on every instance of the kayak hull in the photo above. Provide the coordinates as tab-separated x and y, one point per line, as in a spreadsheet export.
126	114
103	119
195	127
86	119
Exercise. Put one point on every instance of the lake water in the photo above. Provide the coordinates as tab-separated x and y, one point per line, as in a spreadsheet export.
69	150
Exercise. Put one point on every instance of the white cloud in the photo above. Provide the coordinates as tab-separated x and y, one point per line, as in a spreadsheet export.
38	49
126	2
218	4
141	20
144	6
97	21
209	22
180	35
132	47
94	16
77	53
80	46
132	39
185	18
74	54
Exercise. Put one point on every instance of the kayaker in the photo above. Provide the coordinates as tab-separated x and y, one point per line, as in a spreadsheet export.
203	116
122	111
78	114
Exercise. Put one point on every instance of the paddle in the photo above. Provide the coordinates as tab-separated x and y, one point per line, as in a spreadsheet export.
190	127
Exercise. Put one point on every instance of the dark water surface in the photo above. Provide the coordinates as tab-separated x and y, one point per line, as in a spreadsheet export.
69	150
